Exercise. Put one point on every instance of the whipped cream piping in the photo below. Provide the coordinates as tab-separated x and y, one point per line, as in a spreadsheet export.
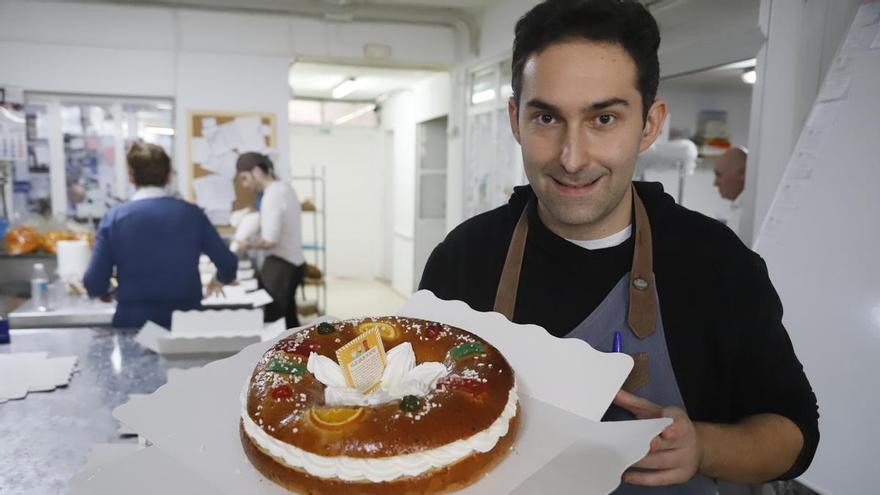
379	469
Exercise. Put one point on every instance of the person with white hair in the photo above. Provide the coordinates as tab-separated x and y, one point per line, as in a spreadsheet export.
730	179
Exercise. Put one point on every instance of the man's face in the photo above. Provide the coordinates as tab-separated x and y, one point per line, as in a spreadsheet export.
730	177
247	180
579	121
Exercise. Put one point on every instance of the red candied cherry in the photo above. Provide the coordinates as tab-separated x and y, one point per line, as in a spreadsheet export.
472	386
302	348
282	392
433	331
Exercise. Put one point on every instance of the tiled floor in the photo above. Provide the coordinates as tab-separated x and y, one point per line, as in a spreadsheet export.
350	298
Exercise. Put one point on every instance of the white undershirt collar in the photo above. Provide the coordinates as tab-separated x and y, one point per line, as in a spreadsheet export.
605	242
149	192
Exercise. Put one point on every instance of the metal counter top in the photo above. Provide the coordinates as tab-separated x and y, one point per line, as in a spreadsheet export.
45	438
66	311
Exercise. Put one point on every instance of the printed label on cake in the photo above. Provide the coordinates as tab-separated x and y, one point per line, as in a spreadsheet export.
363	361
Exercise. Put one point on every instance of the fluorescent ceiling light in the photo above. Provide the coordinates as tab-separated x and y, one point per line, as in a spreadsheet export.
164	131
742	64
749	76
353	115
344	88
483	96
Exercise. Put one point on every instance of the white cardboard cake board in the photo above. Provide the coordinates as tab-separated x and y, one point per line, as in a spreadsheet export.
205	341
236	295
248	284
25	372
194	419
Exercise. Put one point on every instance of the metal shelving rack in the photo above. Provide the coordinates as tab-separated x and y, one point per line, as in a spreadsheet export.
313	292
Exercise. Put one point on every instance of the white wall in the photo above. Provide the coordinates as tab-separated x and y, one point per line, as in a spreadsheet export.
801	40
400	114
355	165
204	60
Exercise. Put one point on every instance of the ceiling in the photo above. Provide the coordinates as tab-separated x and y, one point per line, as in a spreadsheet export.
727	77
313	80
470	8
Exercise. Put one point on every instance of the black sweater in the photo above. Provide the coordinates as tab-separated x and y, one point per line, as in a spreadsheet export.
731	355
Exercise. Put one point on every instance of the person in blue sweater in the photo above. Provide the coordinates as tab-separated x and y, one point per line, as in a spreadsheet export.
154	242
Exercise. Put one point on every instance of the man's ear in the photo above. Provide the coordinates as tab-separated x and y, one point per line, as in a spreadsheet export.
653	124
513	114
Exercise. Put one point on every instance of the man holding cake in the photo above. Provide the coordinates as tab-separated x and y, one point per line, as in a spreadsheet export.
585	253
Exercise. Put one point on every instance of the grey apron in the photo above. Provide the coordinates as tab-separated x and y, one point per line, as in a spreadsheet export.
631	304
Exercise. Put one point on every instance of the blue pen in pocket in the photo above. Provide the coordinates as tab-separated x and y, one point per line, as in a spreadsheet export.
616	346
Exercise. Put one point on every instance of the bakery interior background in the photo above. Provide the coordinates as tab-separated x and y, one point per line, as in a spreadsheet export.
388	117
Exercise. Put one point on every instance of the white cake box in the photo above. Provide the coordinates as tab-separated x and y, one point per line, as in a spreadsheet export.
565	387
221	331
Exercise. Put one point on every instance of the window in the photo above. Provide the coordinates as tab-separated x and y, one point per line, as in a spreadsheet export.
76	152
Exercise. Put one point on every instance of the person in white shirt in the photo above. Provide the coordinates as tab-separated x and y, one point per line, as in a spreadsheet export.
280	235
730	179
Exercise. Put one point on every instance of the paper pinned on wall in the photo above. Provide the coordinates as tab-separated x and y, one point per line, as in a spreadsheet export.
811	138
265	130
835	88
788	195
222	164
199	150
802	166
823	116
248	129
214	192
208	123
867	15
217	141
230	135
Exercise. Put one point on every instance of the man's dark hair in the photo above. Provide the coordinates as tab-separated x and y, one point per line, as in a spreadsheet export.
149	164
251	160
623	22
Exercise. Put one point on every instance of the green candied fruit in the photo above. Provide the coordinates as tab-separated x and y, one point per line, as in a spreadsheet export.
325	328
410	403
463	351
287	367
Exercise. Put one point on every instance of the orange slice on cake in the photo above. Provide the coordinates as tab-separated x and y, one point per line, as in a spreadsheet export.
335	417
386	331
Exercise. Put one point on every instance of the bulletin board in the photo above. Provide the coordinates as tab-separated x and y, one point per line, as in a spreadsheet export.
215	141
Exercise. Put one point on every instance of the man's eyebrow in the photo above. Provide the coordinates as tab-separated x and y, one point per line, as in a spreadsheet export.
610	102
542	105
599	105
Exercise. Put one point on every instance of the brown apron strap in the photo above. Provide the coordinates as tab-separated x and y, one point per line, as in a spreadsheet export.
642	316
505	297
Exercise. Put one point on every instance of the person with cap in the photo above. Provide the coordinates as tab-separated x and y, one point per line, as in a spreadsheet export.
154	242
730	179
586	253
280	235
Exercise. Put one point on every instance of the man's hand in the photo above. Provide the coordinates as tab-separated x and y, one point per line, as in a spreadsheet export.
214	287
675	453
